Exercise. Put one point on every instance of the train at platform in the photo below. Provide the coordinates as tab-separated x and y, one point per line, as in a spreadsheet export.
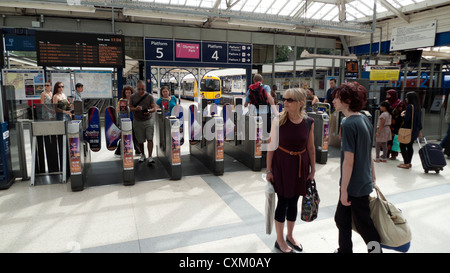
210	88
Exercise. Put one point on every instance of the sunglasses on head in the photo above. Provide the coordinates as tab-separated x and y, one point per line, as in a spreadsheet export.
288	100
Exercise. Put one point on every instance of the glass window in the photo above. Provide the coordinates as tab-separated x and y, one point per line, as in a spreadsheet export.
210	85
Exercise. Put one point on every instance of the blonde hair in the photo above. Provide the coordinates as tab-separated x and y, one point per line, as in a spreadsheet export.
298	94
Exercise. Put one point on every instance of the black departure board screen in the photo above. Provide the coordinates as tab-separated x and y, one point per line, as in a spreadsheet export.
80	49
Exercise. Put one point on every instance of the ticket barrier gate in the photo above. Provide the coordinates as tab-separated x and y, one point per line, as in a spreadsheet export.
81	143
334	129
79	155
321	118
167	140
50	128
321	131
207	139
127	151
243	137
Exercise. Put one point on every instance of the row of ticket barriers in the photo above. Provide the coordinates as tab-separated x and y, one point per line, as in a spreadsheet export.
212	132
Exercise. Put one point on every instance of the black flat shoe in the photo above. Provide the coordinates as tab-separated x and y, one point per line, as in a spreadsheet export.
277	246
298	248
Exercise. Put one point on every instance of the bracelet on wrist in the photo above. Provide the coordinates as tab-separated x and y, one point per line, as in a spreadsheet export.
268	171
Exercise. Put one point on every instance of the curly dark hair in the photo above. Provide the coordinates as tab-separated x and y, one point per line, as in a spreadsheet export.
125	88
353	94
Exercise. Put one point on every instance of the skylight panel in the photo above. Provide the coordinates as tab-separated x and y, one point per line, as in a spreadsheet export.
313	9
324	11
288	8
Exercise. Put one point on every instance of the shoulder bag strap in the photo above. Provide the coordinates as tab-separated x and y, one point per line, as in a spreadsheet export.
139	101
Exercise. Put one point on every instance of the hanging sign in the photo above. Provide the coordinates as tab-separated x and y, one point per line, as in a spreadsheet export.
413	36
384	73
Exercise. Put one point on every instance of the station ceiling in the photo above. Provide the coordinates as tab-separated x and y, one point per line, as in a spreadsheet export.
327	17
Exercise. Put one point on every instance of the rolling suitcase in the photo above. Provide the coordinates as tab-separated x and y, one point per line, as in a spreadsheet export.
432	157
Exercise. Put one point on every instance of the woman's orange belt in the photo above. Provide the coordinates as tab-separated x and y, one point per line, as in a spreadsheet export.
294	154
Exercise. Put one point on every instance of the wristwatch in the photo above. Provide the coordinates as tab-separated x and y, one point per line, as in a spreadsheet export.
268	171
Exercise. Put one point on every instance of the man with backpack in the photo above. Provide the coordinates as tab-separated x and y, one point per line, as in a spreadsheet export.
259	96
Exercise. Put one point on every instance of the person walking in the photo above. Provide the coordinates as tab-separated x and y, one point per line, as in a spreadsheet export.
411	116
166	101
397	106
357	169
384	133
290	164
143	106
127	91
258	95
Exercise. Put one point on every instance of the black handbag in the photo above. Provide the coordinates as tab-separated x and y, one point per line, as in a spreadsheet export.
310	202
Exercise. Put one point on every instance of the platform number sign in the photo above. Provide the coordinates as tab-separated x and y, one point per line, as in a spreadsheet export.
188	51
214	52
159	49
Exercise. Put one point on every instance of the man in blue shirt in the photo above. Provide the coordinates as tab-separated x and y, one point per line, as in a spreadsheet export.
79	89
329	95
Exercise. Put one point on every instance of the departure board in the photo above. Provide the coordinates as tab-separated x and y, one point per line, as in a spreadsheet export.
80	49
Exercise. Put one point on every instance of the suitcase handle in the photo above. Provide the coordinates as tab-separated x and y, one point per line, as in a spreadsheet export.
418	142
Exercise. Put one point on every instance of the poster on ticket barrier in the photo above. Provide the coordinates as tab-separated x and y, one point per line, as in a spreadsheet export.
127	152
75	160
176	156
219	151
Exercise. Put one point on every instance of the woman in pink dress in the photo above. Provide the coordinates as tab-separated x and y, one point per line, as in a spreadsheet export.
290	164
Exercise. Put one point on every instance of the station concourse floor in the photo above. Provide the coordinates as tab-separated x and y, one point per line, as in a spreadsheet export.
207	214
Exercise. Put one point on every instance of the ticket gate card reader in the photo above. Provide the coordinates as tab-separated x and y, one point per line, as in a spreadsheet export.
322	107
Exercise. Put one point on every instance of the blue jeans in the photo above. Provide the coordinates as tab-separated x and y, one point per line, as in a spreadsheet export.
445	139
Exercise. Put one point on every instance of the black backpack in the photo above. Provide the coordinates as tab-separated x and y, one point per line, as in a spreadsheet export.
258	96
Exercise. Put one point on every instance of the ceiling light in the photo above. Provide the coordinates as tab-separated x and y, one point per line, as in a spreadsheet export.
339	32
306	54
47	6
262	24
163	15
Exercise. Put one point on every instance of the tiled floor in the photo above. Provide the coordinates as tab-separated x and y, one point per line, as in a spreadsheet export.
206	214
